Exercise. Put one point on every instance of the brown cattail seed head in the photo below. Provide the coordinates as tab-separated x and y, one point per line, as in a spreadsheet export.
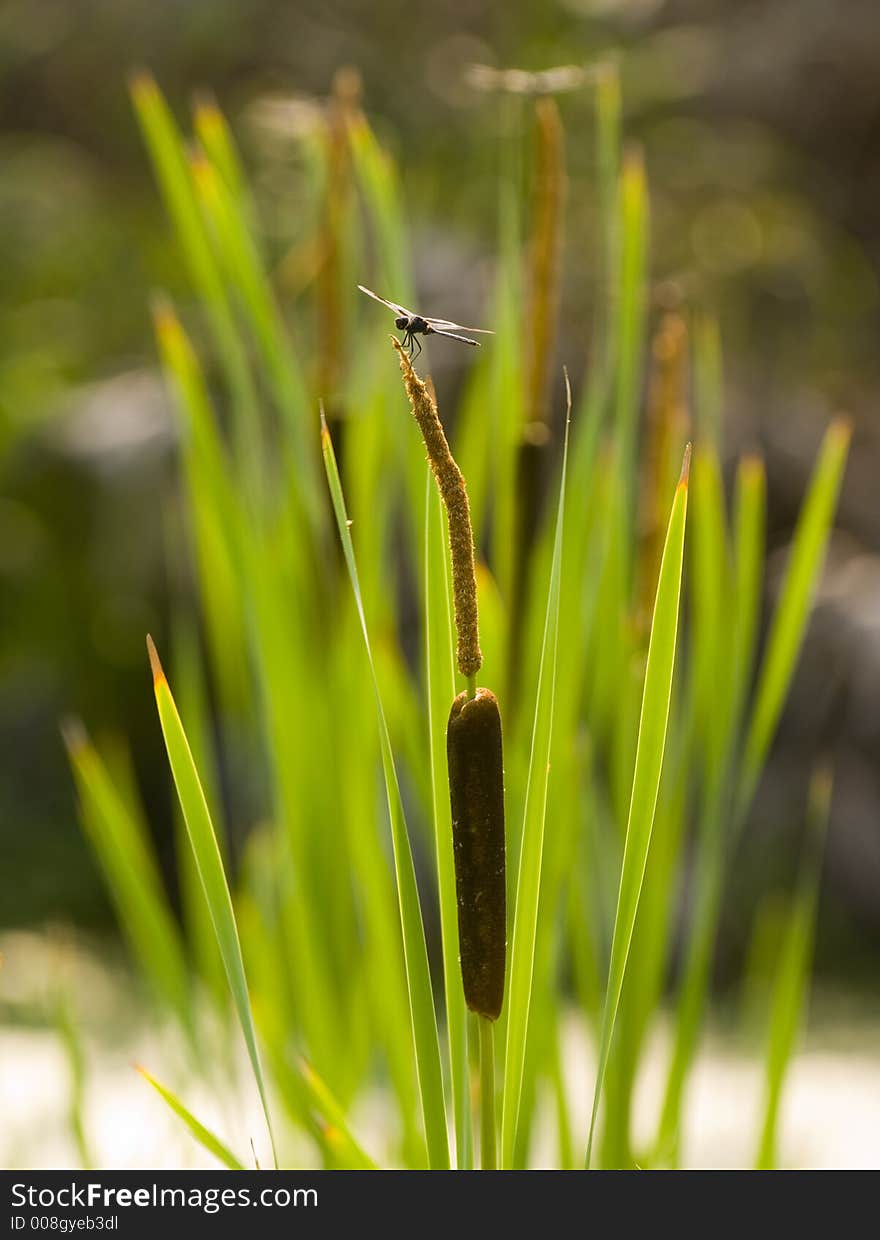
476	792
454	495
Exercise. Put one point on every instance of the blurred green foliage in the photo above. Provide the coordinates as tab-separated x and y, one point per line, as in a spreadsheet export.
758	177
760	174
338	985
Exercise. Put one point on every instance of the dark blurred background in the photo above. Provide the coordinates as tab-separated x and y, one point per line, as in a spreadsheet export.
760	120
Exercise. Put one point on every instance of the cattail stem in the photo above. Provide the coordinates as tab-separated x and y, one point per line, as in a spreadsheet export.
488	1154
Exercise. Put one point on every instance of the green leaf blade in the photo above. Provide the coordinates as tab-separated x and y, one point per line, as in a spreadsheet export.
209	861
422	1013
653	722
203	1135
528	885
440	668
119	838
792	611
792	975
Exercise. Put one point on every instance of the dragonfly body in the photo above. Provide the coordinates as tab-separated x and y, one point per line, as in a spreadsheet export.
413	325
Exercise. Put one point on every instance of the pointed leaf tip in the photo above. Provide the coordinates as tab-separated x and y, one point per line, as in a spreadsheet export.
165	320
842	426
74	735
567	395
633	165
141	82
685	467
205	106
203	170
156	666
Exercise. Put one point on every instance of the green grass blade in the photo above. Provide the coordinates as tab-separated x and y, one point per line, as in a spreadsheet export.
200	429
783	645
275	989
384	971
350	1153
422	1014
643	983
598	386
194	707
710	590
380	184
297	748
218	144
440	667
749	519
607	627
210	865
656	697
71	1035
792	611
792	976
747	575
241	259
214	513
203	1135
118	836
166	148
630	325
693	990
243	265
528	883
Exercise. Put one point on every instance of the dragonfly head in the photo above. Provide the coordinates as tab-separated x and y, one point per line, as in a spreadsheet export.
401	322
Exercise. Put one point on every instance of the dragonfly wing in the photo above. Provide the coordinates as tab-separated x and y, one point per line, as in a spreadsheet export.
392	305
444	325
437	331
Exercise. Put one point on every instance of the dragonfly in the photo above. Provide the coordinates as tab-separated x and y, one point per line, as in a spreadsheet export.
413	325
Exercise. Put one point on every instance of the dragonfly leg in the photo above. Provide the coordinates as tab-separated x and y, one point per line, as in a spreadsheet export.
417	344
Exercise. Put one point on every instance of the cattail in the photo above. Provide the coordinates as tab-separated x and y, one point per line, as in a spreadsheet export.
545	261
476	791
473	743
541	321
